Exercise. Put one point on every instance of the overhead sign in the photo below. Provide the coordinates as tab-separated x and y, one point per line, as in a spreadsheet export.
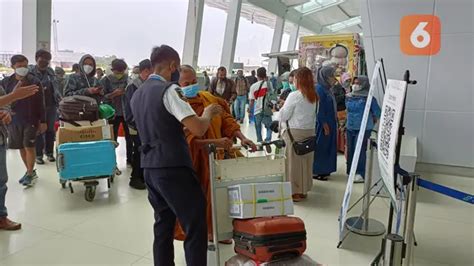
355	158
392	110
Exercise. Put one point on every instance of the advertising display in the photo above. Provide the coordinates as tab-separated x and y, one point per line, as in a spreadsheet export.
344	50
392	110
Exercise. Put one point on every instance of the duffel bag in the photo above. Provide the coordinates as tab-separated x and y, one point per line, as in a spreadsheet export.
78	108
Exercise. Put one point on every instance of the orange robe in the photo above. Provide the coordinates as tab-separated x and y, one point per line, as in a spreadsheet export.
221	126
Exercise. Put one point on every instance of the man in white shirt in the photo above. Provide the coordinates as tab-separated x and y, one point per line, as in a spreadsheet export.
258	96
160	112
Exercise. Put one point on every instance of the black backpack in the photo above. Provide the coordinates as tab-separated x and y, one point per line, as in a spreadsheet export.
78	108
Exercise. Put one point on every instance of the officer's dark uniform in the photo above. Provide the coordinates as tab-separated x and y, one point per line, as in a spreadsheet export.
173	188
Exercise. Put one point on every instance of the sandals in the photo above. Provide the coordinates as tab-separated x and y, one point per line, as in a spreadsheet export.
321	177
299	197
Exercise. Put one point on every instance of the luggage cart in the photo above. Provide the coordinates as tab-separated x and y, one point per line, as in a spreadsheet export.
228	172
90	180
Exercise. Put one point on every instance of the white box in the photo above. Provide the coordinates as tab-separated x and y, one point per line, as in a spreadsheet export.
260	200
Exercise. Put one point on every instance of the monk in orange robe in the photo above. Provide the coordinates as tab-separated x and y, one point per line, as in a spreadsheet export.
223	129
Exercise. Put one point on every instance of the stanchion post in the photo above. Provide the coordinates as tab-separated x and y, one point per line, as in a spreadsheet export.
393	253
410	220
363	225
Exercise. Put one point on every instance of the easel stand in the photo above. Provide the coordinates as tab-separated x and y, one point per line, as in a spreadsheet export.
393	249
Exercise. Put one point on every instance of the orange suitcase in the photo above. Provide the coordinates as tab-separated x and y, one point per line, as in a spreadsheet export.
270	238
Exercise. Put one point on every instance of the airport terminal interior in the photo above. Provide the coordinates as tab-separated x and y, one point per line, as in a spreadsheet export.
412	204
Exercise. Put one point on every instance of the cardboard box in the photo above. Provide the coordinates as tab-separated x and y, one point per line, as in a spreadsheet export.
260	200
85	133
100	122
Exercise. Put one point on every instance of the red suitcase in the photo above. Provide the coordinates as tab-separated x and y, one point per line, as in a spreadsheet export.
270	238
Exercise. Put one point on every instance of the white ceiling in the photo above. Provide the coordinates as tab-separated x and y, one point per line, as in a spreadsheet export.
265	11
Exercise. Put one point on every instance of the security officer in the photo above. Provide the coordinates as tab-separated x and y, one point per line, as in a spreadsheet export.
160	112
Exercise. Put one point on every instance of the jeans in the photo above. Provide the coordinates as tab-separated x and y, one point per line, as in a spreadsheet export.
352	136
3	180
239	107
116	121
45	141
176	193
267	121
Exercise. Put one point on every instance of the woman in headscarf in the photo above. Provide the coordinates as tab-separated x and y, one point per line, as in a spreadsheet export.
355	102
325	156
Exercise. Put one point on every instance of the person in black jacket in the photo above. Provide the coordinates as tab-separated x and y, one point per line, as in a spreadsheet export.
42	71
137	180
28	117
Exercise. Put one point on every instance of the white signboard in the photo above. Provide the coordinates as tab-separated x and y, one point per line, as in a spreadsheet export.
355	158
392	110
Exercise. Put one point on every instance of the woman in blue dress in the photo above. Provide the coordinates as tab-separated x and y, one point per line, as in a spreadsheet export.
325	156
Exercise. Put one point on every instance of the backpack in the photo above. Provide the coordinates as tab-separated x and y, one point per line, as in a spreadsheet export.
78	108
269	100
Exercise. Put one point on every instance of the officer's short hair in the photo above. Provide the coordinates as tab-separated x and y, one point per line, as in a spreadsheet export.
187	68
18	58
43	54
144	65
119	65
222	69
163	53
261	72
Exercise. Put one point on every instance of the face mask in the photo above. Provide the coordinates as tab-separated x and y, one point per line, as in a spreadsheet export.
22	71
88	69
292	87
134	76
43	64
190	91
355	87
119	76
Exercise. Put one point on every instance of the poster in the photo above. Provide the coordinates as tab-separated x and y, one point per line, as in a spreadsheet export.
392	110
343	50
355	160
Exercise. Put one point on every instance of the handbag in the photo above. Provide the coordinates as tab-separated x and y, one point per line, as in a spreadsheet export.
302	147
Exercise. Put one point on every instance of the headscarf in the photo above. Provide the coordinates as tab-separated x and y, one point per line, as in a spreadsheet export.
324	74
364	87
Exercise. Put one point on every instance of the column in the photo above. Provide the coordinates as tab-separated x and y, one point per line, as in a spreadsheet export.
294	34
276	43
192	37
230	37
36	28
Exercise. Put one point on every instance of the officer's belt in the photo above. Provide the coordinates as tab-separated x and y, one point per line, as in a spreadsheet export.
146	147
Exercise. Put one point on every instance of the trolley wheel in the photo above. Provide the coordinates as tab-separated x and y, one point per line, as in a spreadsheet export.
70	188
108	182
112	179
89	195
63	184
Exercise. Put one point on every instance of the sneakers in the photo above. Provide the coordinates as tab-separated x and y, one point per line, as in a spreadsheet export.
39	160
30	180
51	158
358	179
22	179
137	183
9	225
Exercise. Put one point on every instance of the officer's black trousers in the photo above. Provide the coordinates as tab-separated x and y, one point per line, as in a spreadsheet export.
176	193
137	171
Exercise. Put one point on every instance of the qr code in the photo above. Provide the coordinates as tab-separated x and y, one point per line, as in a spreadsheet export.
388	115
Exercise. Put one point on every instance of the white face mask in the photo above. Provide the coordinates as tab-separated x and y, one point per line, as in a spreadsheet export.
22	71
356	87
88	69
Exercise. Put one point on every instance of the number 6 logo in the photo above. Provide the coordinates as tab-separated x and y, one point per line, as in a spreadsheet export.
420	35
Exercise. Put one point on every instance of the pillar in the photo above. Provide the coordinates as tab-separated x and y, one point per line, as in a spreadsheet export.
36	28
276	43
192	37
294	34
230	36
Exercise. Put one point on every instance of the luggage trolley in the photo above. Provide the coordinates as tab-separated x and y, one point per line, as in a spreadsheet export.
228	172
86	162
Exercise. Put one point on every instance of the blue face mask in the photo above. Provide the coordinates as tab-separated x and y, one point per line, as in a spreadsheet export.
190	91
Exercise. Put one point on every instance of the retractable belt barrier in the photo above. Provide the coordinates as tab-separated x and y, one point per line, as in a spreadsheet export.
453	193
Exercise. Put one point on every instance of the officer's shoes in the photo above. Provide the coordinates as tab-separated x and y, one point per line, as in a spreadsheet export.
137	183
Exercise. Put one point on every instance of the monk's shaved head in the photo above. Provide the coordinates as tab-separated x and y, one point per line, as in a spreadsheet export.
187	76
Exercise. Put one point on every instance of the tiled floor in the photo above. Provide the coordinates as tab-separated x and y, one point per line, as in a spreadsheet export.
61	228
